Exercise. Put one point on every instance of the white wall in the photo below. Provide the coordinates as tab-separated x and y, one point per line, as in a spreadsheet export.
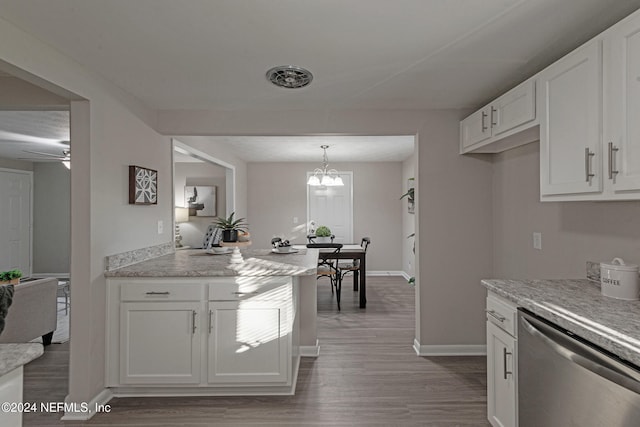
192	232
16	164
109	132
278	193
572	232
51	218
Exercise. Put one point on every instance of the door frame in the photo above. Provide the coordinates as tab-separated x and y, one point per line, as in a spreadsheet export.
350	221
30	175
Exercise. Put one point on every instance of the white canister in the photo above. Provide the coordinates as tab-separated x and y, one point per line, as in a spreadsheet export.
619	280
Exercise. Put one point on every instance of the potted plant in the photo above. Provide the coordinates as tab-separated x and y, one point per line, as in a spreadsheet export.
10	276
323	234
230	227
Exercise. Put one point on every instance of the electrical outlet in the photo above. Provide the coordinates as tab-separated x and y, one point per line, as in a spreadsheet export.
537	240
295	219
160	227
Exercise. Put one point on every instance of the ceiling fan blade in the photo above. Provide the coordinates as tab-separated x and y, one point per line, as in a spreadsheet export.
44	154
43	159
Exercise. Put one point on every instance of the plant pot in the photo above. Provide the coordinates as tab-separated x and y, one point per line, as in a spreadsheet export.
229	235
15	281
323	239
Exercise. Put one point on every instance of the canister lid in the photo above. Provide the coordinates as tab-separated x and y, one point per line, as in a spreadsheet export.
618	264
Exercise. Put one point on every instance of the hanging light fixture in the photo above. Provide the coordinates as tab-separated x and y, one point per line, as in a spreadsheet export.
325	176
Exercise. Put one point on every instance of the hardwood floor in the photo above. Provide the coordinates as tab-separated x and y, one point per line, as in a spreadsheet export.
367	375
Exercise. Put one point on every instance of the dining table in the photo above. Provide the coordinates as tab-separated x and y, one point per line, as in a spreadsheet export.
355	252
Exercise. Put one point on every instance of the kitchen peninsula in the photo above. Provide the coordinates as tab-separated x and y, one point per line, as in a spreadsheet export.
192	323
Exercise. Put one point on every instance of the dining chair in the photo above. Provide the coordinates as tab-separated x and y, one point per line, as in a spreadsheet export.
353	266
328	266
311	238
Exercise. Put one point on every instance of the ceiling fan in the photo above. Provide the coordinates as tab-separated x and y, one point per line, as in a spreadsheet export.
65	158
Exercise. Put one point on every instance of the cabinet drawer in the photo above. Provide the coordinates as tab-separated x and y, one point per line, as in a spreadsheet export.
161	291
502	314
239	288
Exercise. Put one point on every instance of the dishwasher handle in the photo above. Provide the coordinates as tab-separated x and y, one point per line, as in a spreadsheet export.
587	358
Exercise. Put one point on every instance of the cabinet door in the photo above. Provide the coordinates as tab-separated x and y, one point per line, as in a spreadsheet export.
569	99
622	102
475	128
159	343
513	109
501	378
249	342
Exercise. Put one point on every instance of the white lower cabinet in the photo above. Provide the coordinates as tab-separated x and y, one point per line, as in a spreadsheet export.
221	334
502	386
158	343
248	343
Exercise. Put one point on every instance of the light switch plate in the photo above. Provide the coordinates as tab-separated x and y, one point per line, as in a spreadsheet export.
537	240
160	227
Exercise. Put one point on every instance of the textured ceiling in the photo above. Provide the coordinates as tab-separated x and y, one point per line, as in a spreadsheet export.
365	54
41	131
307	148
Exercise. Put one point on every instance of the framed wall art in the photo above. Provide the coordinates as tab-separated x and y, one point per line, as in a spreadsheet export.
143	186
200	199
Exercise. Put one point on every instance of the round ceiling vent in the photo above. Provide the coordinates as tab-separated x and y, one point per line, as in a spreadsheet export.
289	76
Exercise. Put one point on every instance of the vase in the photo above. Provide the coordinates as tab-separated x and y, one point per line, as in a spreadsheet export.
229	235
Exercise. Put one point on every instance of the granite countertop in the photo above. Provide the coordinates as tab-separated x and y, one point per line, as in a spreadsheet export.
579	307
198	263
13	356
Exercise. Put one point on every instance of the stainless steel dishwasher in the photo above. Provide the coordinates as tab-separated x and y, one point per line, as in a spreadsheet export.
566	381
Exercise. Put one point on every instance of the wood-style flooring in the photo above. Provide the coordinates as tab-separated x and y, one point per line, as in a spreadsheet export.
367	375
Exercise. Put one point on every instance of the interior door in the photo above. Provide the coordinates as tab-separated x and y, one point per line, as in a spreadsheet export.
15	220
333	207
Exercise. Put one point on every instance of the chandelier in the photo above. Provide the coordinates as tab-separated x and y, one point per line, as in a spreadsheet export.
325	176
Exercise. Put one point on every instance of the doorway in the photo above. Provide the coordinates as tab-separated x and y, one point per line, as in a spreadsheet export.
15	220
196	171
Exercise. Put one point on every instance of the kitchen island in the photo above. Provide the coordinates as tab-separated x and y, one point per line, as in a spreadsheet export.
193	323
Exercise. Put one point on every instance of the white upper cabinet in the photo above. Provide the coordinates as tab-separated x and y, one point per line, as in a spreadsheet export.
514	108
622	107
475	128
589	104
569	103
501	124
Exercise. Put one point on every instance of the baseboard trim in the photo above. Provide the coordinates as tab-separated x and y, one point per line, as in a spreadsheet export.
82	411
386	273
449	350
310	350
405	275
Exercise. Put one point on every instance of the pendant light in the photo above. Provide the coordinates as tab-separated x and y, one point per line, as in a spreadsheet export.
325	176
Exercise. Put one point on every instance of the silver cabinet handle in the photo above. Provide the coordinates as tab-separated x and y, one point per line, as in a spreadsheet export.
210	320
612	160
484	116
193	320
158	293
496	316
587	164
505	353
246	293
493	123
